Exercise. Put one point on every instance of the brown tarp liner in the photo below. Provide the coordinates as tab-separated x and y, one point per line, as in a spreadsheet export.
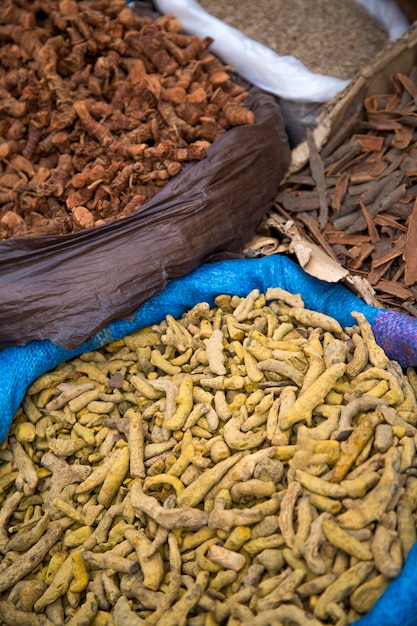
66	288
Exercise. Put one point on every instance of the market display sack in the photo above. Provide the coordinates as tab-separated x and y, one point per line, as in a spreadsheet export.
65	288
395	332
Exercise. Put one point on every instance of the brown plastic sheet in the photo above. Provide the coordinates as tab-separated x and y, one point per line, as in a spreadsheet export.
66	288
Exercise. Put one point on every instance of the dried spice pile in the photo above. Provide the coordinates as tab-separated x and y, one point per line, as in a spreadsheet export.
250	463
334	37
100	108
357	198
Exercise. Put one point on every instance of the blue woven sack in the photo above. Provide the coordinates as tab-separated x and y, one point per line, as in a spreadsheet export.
395	332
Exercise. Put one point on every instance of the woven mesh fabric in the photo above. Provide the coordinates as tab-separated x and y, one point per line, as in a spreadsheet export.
397	333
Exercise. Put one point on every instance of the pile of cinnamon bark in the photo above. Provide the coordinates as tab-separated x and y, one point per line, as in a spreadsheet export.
356	197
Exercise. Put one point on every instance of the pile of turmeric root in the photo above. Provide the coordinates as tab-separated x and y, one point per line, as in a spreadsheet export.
99	109
248	464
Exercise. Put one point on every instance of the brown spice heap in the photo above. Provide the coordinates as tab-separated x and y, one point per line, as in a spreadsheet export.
369	192
334	37
99	109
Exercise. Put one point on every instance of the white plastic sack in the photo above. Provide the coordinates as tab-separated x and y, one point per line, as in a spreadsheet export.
284	76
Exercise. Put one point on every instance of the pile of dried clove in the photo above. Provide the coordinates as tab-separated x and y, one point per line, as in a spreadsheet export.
99	109
357	197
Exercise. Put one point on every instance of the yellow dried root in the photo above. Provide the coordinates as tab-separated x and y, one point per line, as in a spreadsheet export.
184	401
376	355
342	540
353	446
342	587
316	320
313	396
